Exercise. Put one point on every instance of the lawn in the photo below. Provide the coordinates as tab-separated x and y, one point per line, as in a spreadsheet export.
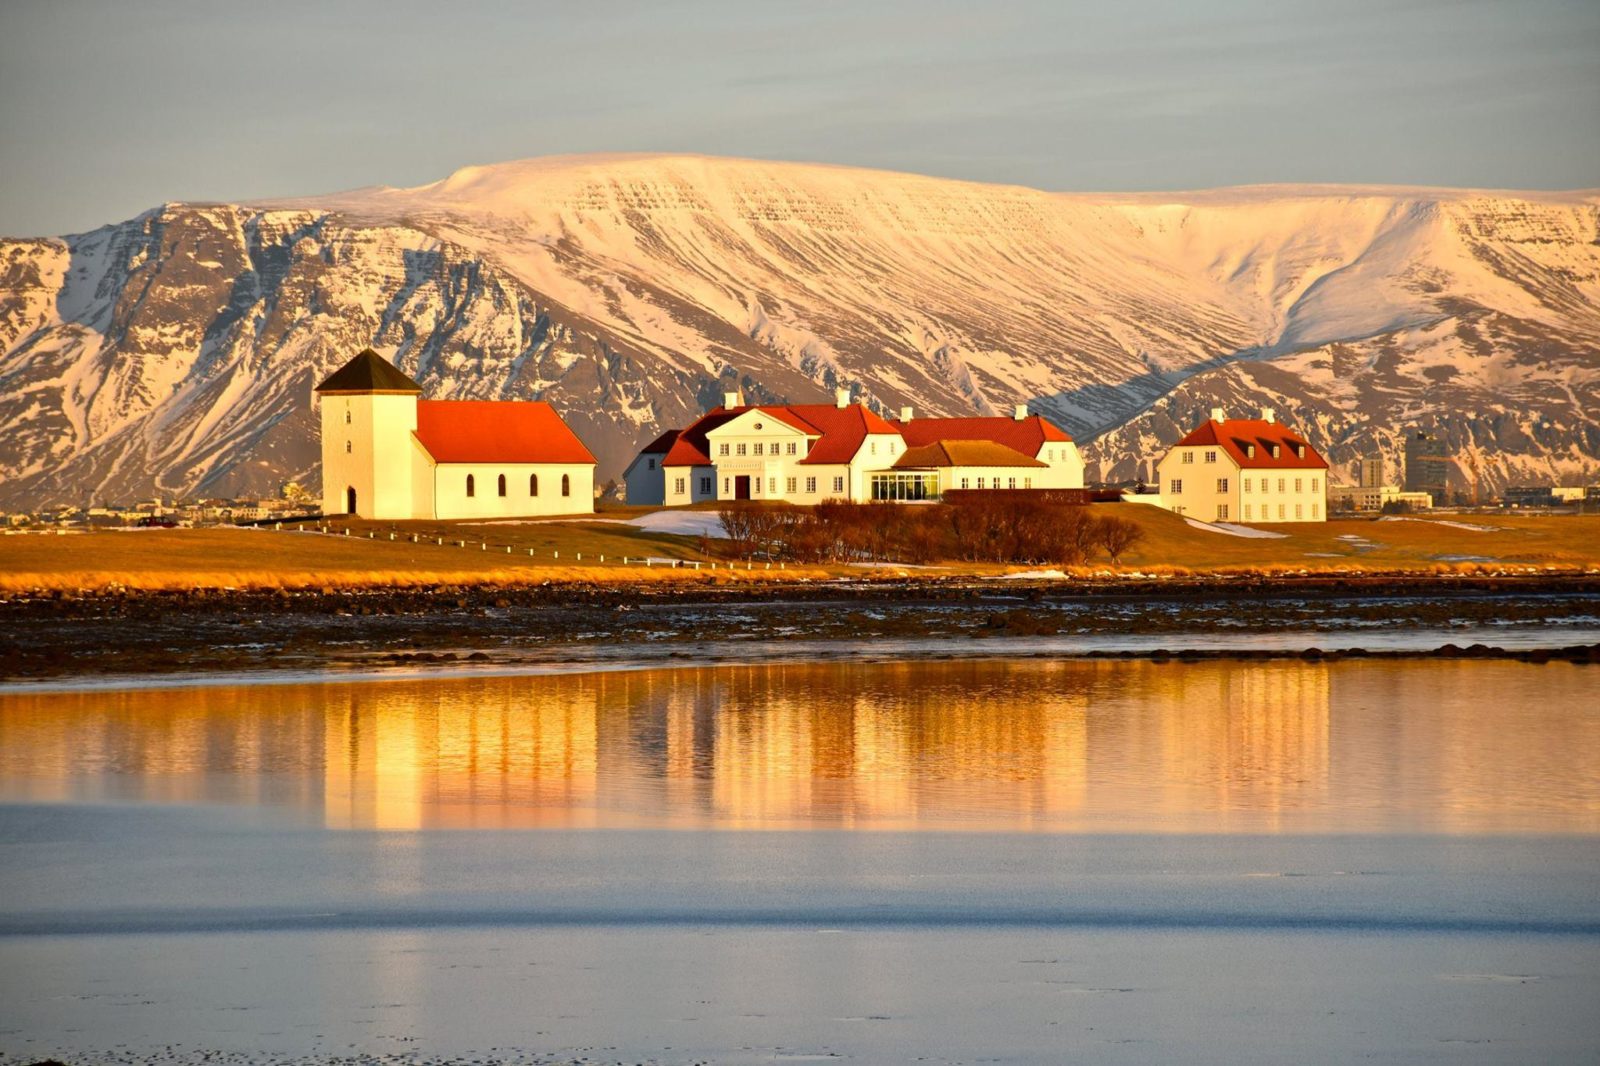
385	553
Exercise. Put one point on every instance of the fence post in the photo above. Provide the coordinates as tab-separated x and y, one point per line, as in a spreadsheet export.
556	554
580	557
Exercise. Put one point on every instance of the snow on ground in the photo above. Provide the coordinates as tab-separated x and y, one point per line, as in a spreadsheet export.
1031	574
682	523
1442	522
1233	530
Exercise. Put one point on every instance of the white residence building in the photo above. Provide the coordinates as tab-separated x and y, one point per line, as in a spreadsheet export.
807	453
1244	470
388	453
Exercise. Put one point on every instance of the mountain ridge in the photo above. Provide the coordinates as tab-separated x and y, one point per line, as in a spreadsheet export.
172	352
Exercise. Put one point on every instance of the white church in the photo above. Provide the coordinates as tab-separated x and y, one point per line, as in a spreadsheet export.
389	454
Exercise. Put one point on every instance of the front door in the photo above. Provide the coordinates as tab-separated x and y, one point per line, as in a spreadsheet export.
350	501
741	488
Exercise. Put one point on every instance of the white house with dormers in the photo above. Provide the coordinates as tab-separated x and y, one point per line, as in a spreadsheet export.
1244	470
389	454
807	453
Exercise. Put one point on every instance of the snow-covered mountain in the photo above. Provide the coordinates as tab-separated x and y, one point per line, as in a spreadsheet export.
176	352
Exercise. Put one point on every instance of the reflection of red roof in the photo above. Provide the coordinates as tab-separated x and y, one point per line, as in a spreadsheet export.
965	453
497	431
1236	436
1026	435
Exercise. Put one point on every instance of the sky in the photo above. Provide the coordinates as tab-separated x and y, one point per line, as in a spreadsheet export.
110	108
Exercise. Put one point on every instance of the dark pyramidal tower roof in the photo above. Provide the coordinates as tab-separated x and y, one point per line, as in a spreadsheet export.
368	372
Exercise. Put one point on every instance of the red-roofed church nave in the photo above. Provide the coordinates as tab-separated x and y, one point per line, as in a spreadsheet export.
388	453
807	453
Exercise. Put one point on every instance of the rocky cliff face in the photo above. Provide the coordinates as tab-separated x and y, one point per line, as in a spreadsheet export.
175	353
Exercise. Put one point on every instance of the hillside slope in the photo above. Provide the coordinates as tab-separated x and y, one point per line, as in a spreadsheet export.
176	352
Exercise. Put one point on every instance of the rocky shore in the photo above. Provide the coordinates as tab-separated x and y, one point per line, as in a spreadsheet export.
182	632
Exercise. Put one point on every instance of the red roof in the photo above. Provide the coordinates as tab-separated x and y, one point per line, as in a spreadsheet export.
1026	435
497	431
1238	436
837	431
690	448
952	453
662	444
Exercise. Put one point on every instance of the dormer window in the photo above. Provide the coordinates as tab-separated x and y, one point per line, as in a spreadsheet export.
1249	451
1274	451
1300	451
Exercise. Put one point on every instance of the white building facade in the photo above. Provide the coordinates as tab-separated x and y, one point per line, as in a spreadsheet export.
1244	470
808	453
389	454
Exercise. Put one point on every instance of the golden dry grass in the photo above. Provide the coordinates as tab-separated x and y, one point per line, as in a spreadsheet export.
264	558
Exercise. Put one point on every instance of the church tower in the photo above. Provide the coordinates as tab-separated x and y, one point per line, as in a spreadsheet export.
369	413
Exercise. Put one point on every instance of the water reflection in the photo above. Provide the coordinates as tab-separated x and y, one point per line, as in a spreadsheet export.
1061	746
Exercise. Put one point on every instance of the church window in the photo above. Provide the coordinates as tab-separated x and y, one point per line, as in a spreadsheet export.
472	486
533	484
347	447
566	484
501	486
347	418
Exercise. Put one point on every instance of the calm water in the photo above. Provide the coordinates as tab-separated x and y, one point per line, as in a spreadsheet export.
1019	861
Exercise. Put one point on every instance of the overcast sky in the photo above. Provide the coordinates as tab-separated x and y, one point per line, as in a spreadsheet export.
108	108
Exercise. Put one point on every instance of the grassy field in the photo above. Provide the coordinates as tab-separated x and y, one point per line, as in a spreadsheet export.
564	551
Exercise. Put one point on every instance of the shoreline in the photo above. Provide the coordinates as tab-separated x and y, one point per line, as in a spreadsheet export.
333	634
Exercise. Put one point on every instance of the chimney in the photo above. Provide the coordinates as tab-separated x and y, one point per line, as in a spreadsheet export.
1020	412
841	398
1268	415
905	414
1217	415
732	399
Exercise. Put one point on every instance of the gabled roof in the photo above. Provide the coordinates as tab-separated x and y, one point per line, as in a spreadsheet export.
497	431
965	453
841	429
690	448
1236	436
1026	435
661	444
368	372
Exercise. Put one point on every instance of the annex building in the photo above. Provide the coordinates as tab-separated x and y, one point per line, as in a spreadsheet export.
807	453
388	453
1244	470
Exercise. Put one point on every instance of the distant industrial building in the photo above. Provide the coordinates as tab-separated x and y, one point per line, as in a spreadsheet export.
1427	465
1369	472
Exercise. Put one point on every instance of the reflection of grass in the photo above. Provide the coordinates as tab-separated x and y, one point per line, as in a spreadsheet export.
223	558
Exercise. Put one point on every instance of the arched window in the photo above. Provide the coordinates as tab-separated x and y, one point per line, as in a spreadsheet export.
566	485
502	484
533	484
347	447
347	418
472	486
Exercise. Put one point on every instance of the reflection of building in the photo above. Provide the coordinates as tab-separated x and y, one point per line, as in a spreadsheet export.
1427	464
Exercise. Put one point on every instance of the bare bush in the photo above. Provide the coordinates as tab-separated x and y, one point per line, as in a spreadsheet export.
1117	535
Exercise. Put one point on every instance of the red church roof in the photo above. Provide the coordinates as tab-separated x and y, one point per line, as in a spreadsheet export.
497	431
1239	437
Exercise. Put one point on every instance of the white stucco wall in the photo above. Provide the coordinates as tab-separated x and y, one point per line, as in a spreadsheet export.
1252	495
451	500
352	457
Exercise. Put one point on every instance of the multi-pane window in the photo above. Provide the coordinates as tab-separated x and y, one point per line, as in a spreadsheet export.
1011	482
1188	457
705	486
651	463
1280	488
1316	486
791	485
793	447
811	486
1315	508
347	447
727	485
741	448
1211	457
1222	512
1222	484
1028	483
1280	512
1247	484
722	449
1299	510
1176	487
838	484
980	482
1299	484
677	486
966	483
873	447
1247	512
758	447
772	484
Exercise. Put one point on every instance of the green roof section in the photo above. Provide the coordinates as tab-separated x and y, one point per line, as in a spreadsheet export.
368	372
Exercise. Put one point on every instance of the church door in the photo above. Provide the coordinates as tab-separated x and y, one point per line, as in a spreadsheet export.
350	501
